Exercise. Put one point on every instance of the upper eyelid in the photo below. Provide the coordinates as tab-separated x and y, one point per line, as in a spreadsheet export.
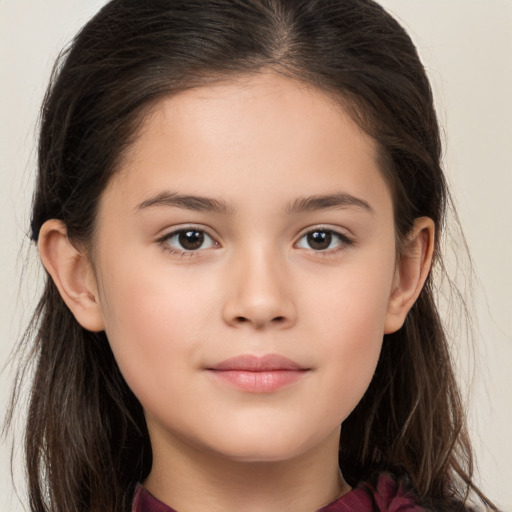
166	233
342	232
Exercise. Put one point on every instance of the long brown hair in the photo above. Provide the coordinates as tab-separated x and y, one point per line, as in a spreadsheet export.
86	440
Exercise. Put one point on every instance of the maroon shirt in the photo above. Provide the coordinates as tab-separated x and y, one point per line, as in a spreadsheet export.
387	496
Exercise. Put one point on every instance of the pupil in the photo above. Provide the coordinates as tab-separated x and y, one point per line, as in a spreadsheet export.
319	240
191	240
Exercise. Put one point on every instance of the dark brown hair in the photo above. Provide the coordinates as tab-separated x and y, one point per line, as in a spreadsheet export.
86	440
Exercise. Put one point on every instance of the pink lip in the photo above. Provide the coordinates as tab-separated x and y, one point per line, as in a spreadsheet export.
255	374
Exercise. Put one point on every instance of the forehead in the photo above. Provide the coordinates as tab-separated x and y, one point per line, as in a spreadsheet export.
269	133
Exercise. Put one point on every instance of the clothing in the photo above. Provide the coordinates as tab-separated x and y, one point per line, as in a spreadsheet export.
388	496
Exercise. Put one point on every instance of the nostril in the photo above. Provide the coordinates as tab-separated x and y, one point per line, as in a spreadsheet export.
275	320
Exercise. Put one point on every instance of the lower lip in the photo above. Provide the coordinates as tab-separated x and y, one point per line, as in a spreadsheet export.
266	381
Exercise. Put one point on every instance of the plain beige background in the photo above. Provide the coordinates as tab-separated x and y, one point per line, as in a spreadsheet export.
466	46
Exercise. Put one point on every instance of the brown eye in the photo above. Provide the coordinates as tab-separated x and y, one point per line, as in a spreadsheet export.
319	240
191	240
187	240
325	240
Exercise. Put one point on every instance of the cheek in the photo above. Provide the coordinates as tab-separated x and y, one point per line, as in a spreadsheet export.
351	300
347	325
153	322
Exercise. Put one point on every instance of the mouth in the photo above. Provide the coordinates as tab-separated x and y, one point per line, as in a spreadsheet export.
254	374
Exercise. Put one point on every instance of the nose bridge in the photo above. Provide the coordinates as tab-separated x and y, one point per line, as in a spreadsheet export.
259	293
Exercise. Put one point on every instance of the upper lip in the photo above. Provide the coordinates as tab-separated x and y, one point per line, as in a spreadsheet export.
253	363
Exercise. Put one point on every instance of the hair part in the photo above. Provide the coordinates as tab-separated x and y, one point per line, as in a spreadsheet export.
86	441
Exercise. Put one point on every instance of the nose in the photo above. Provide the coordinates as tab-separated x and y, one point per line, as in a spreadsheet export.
259	293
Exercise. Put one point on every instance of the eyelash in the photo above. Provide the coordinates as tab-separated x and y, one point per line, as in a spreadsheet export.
164	241
343	241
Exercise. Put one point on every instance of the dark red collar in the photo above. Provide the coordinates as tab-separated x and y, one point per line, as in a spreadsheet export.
387	496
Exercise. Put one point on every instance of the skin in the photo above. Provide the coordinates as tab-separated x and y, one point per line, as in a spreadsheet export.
257	146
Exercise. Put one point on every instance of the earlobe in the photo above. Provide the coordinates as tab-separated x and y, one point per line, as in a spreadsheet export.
411	272
72	274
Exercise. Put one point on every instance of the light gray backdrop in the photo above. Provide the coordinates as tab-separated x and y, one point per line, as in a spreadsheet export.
467	48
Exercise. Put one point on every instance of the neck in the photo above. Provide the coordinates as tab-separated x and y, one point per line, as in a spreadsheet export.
189	479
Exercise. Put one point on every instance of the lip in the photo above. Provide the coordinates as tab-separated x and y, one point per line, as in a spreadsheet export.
258	374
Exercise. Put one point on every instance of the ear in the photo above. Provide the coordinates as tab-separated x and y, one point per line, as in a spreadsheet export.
72	274
411	272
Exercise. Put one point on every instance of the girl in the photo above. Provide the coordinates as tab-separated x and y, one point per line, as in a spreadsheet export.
238	206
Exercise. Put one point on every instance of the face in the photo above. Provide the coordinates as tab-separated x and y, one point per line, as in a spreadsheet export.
245	258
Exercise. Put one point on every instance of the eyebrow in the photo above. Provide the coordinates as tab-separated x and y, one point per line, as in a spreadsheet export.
326	202
209	204
188	202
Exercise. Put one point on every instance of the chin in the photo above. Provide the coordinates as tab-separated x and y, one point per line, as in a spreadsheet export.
251	454
263	446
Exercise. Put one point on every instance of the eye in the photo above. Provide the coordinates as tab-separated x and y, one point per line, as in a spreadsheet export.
323	240
187	240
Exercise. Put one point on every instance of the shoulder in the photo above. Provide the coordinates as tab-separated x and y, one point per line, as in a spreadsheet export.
385	493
